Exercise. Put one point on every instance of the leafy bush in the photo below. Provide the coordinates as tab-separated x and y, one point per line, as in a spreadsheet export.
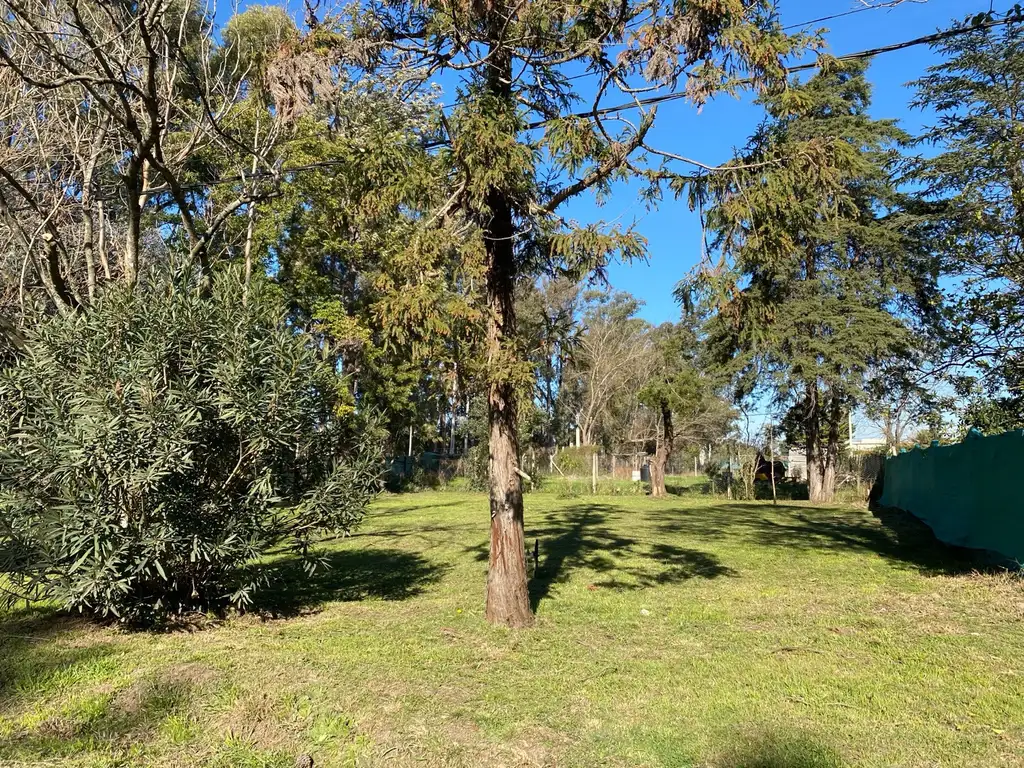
576	461
476	466
154	446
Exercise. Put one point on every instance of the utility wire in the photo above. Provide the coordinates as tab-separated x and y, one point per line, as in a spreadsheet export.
650	101
841	15
867	54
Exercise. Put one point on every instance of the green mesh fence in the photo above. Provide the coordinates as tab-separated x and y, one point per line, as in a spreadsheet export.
969	494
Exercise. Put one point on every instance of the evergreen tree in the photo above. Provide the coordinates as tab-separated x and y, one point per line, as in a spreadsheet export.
509	180
820	268
683	392
396	320
399	322
977	182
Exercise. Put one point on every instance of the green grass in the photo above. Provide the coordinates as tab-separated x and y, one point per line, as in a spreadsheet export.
693	631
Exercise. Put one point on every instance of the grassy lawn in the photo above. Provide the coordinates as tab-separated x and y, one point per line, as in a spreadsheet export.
689	632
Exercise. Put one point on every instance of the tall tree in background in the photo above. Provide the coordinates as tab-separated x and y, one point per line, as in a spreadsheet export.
549	325
393	302
820	270
683	394
977	179
613	352
114	116
514	61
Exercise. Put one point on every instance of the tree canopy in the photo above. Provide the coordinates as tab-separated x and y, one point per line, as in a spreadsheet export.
423	255
821	267
975	178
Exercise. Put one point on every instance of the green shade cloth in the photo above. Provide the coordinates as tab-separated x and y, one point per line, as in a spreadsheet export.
968	493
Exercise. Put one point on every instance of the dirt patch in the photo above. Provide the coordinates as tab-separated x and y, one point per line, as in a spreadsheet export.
191	674
258	720
960	604
135	711
63	728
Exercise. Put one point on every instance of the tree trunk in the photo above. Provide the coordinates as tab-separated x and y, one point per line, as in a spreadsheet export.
101	244
586	435
812	427
658	467
820	488
87	252
250	226
136	182
822	450
821	481
831	450
508	599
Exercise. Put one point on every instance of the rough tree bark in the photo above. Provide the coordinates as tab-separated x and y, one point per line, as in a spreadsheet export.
811	429
821	470
822	450
665	446
508	600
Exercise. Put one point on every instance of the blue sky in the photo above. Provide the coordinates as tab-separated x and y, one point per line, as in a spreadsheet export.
673	232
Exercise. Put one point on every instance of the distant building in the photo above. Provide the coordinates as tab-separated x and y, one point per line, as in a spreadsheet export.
795	461
866	444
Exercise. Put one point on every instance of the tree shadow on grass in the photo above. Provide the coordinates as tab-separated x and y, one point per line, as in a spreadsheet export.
894	535
399	511
580	537
359	574
426	537
780	750
35	660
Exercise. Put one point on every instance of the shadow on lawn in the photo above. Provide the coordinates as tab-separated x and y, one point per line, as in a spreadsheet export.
585	536
579	537
33	658
360	574
399	511
900	538
780	751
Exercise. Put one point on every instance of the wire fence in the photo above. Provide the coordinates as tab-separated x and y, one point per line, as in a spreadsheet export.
743	473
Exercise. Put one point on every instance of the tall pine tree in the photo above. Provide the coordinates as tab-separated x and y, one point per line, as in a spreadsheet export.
820	270
517	153
976	180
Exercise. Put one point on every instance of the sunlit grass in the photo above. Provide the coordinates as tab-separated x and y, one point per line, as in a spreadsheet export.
694	631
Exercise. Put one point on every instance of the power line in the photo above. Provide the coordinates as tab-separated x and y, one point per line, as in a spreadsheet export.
867	54
841	15
649	101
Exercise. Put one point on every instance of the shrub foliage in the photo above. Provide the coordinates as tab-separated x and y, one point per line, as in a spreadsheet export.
155	446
